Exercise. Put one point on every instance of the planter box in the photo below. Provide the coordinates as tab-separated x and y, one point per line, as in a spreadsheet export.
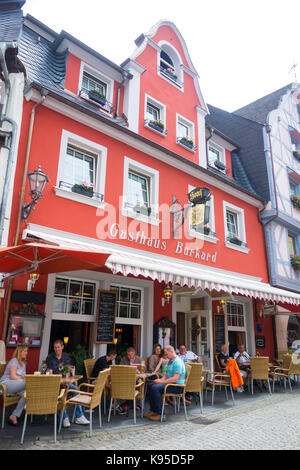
97	98
188	144
235	242
218	164
156	126
296	154
142	210
85	192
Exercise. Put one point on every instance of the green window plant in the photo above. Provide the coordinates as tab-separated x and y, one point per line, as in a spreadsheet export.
295	262
296	201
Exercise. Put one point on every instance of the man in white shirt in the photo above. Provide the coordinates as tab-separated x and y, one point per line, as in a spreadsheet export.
185	355
241	356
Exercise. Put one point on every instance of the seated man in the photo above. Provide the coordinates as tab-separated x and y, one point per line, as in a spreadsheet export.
175	375
223	357
54	361
241	356
104	362
130	358
185	355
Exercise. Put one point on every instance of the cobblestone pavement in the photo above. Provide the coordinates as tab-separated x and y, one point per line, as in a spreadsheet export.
262	422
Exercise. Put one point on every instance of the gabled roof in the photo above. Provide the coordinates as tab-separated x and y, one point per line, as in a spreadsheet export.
258	110
248	163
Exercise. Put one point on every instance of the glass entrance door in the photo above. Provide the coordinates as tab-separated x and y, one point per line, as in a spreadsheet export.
197	335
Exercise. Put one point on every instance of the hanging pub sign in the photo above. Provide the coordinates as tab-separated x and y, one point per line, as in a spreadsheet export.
199	196
260	342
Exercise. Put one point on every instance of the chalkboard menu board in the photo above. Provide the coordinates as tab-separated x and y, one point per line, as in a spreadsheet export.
106	316
219	331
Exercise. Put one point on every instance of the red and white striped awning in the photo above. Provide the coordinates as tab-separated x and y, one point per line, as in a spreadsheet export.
123	260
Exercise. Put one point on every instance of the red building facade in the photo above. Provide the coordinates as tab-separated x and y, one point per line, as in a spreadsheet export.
140	152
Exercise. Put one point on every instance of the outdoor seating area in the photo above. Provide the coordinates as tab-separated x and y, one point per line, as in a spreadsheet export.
50	395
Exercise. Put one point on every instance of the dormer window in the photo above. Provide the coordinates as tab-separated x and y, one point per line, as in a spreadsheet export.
216	157
96	88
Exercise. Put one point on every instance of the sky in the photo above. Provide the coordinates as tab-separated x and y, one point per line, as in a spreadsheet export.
241	49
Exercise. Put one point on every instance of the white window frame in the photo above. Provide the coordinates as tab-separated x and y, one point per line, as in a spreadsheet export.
241	228
98	75
177	61
201	236
222	155
153	176
131	321
191	131
163	115
68	138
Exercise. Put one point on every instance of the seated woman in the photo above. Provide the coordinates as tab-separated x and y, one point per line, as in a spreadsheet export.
155	358
14	380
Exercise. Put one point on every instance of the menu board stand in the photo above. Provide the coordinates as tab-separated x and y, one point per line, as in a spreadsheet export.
219	331
106	317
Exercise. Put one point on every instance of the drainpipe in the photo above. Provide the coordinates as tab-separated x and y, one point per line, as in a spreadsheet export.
212	131
17	232
5	118
124	77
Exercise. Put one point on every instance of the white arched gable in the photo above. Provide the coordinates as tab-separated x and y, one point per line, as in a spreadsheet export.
173	54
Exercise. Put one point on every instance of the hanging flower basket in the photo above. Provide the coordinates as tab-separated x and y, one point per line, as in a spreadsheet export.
295	262
296	201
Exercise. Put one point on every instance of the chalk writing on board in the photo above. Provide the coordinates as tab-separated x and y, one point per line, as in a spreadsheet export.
106	317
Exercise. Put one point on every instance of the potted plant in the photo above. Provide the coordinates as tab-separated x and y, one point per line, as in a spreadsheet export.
235	240
86	189
97	96
296	201
65	370
295	262
187	142
206	230
145	210
296	154
158	125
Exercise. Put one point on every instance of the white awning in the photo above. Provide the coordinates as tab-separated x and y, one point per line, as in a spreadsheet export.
127	261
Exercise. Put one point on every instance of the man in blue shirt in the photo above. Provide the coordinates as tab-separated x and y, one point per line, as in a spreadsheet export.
175	375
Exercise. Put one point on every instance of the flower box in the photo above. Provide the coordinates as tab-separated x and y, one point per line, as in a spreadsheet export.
170	73
295	262
235	241
84	190
206	230
157	125
220	165
97	97
142	210
296	201
187	142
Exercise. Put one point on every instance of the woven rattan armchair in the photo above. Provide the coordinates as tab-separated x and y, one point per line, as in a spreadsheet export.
196	381
259	370
217	379
290	366
168	393
91	399
89	366
124	386
41	397
7	399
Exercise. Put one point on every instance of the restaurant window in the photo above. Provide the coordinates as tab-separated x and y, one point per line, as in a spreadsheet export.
235	315
129	302
72	296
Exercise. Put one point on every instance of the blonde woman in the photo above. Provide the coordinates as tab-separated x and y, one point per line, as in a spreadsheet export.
14	380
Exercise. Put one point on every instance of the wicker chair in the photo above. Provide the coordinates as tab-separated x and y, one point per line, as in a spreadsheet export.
89	366
41	397
259	370
7	399
90	399
124	387
195	382
168	393
217	379
290	366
